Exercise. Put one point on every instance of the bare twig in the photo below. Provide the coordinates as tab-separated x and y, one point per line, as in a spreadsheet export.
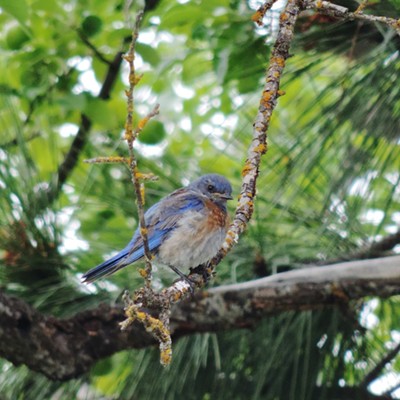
362	5
107	160
157	326
145	297
92	47
262	10
377	370
14	142
258	147
376	249
130	136
340	12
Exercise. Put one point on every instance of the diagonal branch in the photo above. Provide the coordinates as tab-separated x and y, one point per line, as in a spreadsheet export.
343	13
376	249
347	393
378	368
63	349
258	145
77	145
92	47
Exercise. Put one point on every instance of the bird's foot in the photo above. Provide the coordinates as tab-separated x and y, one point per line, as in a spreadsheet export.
192	284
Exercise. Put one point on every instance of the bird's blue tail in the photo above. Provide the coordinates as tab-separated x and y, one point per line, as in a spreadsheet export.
120	260
125	257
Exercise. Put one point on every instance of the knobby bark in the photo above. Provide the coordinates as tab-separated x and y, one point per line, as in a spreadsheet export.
63	349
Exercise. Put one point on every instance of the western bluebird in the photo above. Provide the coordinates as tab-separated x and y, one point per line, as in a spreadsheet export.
185	229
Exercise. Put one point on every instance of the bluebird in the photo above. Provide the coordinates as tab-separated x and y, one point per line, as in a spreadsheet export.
185	229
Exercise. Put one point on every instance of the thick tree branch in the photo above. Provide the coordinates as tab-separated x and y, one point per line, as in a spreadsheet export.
63	349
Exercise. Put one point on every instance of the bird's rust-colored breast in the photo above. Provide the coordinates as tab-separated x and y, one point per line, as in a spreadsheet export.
218	218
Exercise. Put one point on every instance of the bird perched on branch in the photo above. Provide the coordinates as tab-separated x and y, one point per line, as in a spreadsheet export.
185	229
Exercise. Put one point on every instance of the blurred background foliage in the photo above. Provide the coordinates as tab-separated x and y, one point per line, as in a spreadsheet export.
328	186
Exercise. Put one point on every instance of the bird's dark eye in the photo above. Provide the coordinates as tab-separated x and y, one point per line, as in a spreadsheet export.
210	188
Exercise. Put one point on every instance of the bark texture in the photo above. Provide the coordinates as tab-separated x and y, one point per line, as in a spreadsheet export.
63	349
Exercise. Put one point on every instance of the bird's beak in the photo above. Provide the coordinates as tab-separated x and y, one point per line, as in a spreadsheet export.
224	196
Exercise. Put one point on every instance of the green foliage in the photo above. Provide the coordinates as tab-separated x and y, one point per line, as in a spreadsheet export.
16	37
328	184
153	133
91	25
17	9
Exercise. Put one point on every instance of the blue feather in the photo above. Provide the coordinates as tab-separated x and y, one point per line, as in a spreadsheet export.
161	219
123	258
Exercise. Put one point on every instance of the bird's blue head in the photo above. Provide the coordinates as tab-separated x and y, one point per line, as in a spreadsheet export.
214	186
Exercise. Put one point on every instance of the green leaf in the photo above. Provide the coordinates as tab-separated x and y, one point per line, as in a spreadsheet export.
148	53
73	101
17	8
91	25
100	113
153	133
16	37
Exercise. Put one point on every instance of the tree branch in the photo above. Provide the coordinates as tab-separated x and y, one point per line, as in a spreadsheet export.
347	393
71	159
376	249
343	13
376	371
92	47
63	349
244	210
14	142
258	146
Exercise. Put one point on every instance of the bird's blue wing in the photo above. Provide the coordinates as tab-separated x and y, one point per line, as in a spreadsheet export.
160	219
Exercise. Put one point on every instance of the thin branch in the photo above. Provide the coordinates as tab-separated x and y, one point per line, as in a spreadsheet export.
258	146
14	142
392	389
363	4
343	13
63	349
199	276
130	136
107	160
377	370
262	10
92	47
77	145
346	393
376	249
157	326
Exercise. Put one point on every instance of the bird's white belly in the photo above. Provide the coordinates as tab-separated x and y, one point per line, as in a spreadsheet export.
192	243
